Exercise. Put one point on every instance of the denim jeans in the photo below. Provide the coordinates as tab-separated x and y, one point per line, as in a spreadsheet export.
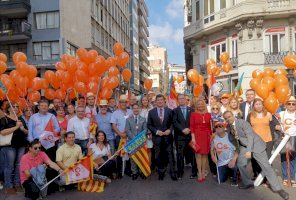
292	166
83	145
12	158
223	173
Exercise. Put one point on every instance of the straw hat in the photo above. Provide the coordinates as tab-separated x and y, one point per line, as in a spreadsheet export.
123	98
291	99
90	94
103	102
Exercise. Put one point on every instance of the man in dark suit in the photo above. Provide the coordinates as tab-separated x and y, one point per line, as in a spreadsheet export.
160	120
246	106
181	119
247	142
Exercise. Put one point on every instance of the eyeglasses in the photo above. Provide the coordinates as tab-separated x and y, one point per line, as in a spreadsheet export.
291	104
37	148
215	108
187	99
219	126
103	106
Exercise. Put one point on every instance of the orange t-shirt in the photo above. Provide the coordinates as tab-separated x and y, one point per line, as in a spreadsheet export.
261	127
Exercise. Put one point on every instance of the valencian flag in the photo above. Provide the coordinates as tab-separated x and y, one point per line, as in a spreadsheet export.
138	152
80	171
49	136
172	98
238	89
91	186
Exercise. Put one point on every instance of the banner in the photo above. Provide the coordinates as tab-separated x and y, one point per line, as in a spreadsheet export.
137	142
141	158
80	171
48	139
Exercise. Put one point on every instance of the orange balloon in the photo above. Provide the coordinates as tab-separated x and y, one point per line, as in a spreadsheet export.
101	64
281	80
82	66
290	61
113	71
7	82
126	75
193	75
227	67
80	87
12	95
224	57
263	91
271	103
3	57
66	59
31	72
118	48
95	79
123	59
92	87
34	96
197	90
60	94
148	84
44	83
106	93
21	92
110	62
254	83
81	76
49	75
60	75
210	62
92	55
104	82
257	74
37	83
211	69
72	66
55	83
280	72
72	94
217	71
270	82
22	82
22	103
14	75
283	93
60	66
268	72
3	67
200	80
19	57
49	94
82	54
113	82
22	68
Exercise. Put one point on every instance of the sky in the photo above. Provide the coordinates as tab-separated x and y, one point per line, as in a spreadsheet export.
166	27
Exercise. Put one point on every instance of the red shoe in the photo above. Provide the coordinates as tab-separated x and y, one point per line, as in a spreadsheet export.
200	180
203	179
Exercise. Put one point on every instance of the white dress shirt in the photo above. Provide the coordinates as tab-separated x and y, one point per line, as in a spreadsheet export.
80	127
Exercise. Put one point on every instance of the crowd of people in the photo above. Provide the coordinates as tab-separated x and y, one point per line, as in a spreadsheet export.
219	138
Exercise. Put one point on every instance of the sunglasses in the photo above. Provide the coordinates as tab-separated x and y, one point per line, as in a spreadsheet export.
215	108
103	106
219	126
291	104
37	148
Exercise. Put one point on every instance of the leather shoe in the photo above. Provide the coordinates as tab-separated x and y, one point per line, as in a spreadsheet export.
134	177
283	194
244	187
174	177
160	177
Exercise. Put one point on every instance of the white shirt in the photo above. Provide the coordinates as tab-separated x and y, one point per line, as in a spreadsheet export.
89	112
223	109
247	110
97	152
287	119
80	127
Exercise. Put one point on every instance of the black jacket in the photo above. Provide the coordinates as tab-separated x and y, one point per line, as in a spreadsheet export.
154	124
180	123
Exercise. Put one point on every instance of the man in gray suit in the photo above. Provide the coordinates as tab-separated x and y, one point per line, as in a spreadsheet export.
247	142
134	125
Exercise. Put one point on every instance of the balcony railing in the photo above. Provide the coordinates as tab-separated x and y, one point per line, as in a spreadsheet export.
275	58
278	3
15	7
15	30
234	62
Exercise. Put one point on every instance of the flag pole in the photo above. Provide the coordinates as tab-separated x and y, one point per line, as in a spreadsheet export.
11	106
97	93
115	154
48	183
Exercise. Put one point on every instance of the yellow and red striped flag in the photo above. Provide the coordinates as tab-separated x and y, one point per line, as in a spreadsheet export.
91	186
142	160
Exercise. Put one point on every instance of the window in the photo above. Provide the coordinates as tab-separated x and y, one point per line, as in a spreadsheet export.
274	43
209	7
71	49
222	4
46	50
9	50
234	48
216	50
197	11
47	20
202	56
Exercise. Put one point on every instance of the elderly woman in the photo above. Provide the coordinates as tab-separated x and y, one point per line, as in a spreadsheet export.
201	130
10	125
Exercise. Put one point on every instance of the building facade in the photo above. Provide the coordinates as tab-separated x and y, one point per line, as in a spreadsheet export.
175	71
139	42
158	66
256	33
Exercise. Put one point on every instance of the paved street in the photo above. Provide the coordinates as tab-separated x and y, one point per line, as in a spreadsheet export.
152	189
